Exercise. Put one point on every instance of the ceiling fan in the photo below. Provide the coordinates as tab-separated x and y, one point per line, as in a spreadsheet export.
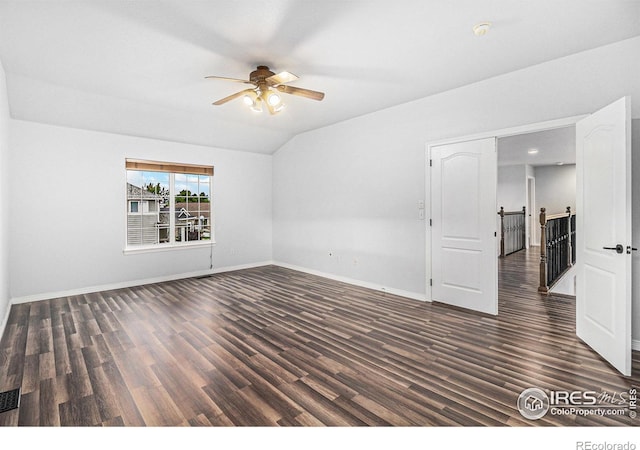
267	85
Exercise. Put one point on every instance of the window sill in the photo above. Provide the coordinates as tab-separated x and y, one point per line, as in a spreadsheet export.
166	247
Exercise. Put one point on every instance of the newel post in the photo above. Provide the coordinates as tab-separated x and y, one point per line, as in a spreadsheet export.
543	251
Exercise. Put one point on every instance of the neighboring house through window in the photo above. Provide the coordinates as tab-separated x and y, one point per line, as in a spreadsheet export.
168	204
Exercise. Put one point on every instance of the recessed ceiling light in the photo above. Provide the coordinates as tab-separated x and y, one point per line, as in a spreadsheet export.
481	29
533	151
559	163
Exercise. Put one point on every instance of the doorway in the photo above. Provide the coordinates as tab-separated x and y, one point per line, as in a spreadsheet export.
437	215
603	174
538	170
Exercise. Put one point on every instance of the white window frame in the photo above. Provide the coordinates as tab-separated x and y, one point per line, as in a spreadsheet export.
172	244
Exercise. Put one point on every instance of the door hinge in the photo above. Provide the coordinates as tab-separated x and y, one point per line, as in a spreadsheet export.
495	234
430	222
430	281
431	163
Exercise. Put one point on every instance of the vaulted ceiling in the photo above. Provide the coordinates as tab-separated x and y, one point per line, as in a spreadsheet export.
138	67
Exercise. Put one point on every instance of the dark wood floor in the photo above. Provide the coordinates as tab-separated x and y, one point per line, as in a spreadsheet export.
271	346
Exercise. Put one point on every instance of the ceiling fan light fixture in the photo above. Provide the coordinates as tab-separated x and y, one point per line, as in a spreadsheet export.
273	99
256	106
248	100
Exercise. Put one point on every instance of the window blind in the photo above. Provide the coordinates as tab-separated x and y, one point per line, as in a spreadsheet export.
157	166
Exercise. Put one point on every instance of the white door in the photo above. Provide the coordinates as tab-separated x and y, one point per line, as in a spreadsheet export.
603	222
464	266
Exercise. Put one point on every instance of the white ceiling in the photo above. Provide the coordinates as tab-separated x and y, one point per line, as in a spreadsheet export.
138	67
553	146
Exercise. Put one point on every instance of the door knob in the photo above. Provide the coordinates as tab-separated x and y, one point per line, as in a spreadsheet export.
618	248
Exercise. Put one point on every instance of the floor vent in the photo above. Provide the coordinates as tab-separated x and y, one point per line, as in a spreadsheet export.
9	400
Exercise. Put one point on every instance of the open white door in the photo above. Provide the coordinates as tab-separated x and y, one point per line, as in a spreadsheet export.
464	265
603	238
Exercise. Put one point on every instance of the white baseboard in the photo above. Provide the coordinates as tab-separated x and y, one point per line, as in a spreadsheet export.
132	283
365	284
241	267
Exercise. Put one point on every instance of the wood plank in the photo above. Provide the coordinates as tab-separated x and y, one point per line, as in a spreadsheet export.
48	403
105	397
156	406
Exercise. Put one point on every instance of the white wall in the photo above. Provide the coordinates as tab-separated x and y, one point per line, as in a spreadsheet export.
5	206
68	210
347	204
556	188
351	188
512	187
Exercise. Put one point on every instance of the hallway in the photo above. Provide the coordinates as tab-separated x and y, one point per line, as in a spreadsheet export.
519	299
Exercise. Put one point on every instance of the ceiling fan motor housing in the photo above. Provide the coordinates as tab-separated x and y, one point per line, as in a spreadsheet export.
260	74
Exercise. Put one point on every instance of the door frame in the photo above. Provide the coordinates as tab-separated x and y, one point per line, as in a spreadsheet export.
504	132
529	220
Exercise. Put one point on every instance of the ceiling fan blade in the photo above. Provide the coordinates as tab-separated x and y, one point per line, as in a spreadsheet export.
237	80
280	78
307	93
232	96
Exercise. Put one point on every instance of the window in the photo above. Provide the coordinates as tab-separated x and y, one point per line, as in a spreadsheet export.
168	204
